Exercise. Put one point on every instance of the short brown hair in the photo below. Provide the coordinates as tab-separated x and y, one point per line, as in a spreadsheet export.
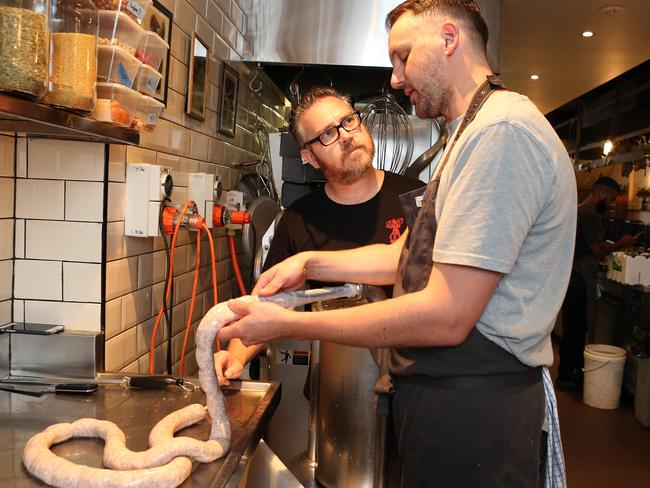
465	10
306	101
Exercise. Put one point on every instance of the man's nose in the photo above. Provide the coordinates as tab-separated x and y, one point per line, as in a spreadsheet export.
396	80
345	136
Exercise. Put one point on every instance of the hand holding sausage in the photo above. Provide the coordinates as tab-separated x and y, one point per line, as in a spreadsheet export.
227	366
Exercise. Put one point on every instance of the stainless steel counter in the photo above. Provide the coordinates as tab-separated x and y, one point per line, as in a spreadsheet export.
250	405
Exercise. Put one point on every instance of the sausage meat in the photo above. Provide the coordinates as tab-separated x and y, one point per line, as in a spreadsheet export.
168	461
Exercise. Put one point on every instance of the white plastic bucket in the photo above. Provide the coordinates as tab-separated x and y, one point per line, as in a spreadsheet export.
603	375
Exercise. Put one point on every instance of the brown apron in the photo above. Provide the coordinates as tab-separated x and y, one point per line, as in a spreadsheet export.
454	425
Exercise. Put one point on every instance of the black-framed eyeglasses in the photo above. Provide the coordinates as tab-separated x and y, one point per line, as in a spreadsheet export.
331	135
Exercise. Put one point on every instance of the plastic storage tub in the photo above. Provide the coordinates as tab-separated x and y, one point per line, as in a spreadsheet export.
115	65
116	104
152	49
117	29
147	80
147	113
136	9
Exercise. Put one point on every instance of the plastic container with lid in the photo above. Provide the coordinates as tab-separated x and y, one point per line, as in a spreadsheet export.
73	55
147	80
117	29
115	65
136	9
24	34
152	49
116	104
147	113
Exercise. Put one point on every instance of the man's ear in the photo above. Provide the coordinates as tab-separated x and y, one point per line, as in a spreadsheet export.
449	33
308	157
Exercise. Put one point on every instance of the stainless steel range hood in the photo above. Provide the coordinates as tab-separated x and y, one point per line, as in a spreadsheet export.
334	32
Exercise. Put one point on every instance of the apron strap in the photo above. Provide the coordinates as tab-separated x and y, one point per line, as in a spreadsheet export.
491	84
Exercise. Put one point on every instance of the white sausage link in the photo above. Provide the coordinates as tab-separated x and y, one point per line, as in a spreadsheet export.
167	463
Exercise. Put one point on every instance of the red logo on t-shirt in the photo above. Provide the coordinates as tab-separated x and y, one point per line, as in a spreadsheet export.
394	225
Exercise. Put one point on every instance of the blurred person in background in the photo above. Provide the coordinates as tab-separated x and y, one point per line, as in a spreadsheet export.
579	307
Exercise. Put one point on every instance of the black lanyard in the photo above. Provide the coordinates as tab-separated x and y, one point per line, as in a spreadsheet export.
483	92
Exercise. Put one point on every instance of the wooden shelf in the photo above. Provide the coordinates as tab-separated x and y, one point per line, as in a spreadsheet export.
22	115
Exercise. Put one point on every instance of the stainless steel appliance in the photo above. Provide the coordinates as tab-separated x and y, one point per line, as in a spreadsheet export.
350	438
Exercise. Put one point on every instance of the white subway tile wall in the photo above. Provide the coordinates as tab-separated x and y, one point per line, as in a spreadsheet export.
74	316
84	201
21	157
7	185
39	199
7	151
65	160
6	272
65	241
6	239
38	280
82	282
55	231
5	312
6	198
19	242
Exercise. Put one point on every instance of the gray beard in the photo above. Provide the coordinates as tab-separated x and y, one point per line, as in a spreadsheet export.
347	175
350	173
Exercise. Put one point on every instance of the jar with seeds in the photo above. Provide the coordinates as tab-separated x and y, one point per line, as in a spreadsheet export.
23	46
73	55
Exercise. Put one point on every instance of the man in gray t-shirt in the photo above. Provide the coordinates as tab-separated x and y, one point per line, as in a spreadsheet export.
480	275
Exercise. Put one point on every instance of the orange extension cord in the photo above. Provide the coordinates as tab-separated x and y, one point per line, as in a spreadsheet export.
214	287
213	262
191	312
214	273
169	285
235	265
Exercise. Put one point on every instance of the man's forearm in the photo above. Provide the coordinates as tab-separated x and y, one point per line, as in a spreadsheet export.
374	265
442	314
242	352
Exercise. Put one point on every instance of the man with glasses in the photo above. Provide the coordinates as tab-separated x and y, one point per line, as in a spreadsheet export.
358	205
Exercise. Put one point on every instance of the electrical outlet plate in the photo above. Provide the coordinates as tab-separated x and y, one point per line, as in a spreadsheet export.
201	190
146	186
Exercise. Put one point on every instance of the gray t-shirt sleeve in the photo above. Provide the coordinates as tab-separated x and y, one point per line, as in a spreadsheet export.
491	198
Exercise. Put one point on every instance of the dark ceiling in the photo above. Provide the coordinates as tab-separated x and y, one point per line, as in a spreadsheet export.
619	107
359	83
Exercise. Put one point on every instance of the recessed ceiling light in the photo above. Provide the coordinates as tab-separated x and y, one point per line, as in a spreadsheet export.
587	34
613	9
534	77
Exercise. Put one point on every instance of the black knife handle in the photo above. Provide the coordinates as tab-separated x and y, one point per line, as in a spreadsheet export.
155	382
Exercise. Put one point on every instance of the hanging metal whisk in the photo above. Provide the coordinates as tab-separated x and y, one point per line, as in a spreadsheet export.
391	130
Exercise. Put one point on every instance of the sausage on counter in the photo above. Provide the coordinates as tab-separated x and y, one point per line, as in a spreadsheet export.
168	461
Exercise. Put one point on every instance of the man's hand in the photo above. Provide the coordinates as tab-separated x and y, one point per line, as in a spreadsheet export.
287	275
227	367
627	240
260	322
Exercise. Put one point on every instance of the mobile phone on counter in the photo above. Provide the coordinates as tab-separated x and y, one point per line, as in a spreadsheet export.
27	328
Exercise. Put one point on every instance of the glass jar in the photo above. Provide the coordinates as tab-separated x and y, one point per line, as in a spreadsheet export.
73	55
23	46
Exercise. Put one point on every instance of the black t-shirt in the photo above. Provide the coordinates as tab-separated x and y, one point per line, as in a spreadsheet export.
589	230
315	222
